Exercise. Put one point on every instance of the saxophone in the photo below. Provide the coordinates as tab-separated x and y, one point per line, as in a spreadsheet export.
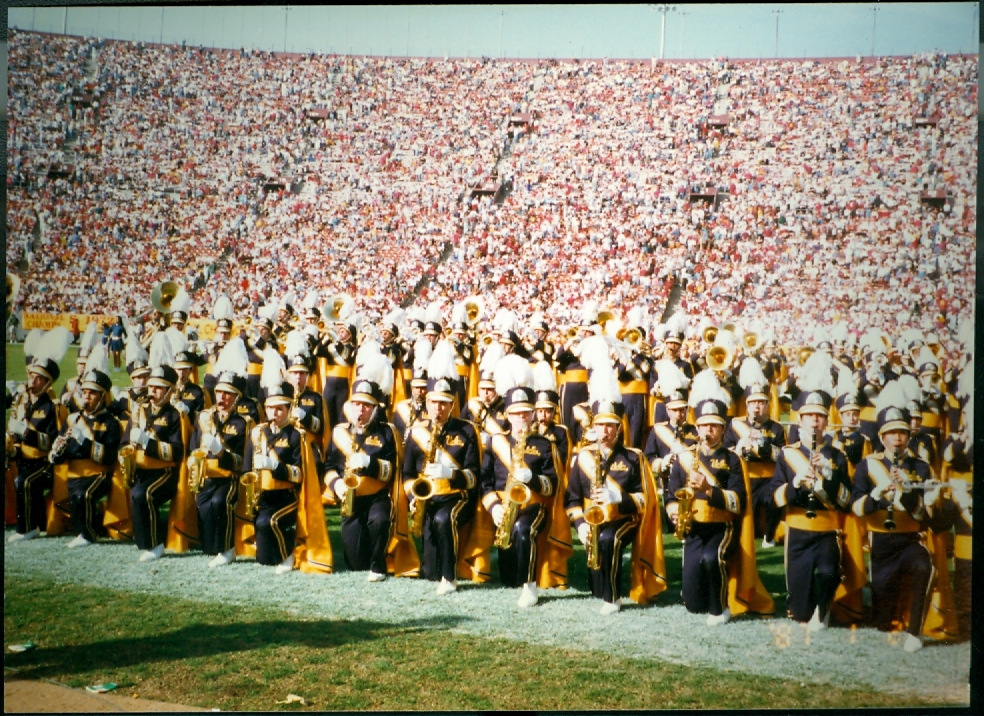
517	494
127	456
196	475
253	483
423	487
595	516
351	481
19	413
686	496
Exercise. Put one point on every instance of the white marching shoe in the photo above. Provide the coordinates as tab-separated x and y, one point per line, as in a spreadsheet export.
528	597
816	624
18	537
767	544
719	619
221	560
151	554
912	643
610	607
446	587
286	566
79	541
376	576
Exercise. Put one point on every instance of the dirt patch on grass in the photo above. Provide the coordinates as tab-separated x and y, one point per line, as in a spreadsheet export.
30	696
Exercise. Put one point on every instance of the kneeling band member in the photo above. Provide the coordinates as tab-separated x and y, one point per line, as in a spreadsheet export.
440	473
89	443
811	482
360	467
221	432
158	433
710	478
519	482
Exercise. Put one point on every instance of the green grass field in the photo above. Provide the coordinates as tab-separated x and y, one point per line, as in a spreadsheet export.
16	370
216	655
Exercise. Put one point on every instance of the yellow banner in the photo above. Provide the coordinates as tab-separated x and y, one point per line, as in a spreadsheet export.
46	321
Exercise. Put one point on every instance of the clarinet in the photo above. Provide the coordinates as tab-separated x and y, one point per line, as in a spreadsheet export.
811	500
890	511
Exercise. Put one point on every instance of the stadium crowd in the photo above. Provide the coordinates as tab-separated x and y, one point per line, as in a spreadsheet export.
251	174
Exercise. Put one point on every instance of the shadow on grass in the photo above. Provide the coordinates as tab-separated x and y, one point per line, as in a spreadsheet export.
206	640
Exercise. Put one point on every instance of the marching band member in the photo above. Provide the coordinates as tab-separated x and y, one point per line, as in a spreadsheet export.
365	450
309	407
895	514
485	410
71	394
958	465
572	375
414	325
338	352
188	396
541	349
465	354
611	485
854	443
88	443
519	457
812	484
408	412
634	377
222	432
160	432
234	357
33	426
392	348
290	524
717	501
547	408
444	451
676	330
757	439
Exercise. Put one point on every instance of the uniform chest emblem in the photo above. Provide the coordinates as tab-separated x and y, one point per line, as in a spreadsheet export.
719	464
532	450
455	441
37	414
99	427
161	422
307	401
282	443
374	441
619	466
229	430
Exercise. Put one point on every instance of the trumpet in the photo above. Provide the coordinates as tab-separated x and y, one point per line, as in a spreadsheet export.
196	475
517	494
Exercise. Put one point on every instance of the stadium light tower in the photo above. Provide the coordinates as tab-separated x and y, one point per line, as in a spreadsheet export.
874	20
662	10
286	10
777	13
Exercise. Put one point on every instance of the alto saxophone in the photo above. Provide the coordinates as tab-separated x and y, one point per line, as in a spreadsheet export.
127	456
254	483
595	516
423	488
517	495
351	481
686	496
20	413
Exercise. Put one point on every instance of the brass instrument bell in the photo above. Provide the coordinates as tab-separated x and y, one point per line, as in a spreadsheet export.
163	295
710	334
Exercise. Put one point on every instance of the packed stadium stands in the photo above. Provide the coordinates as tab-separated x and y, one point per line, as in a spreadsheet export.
838	189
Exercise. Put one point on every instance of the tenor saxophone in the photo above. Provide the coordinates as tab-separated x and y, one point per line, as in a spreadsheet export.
423	488
517	495
595	517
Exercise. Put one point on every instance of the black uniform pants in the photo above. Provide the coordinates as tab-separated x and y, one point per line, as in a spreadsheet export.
962	583
705	565
444	518
216	502
84	494
34	478
570	395
517	565
612	538
335	393
276	523
635	416
767	515
899	563
365	534
813	572
151	489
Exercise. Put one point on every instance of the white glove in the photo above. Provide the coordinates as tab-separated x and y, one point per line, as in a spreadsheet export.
182	408
264	462
212	443
932	495
140	437
798	481
497	512
298	414
878	493
583	533
341	489
80	431
523	474
357	461
439	471
610	496
190	462
17	427
905	487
